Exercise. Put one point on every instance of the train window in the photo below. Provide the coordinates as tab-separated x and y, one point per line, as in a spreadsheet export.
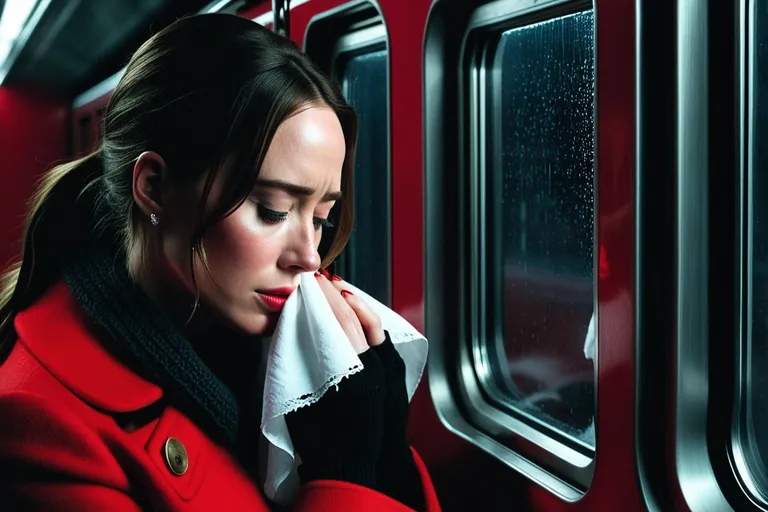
536	223
752	420
515	230
350	43
362	73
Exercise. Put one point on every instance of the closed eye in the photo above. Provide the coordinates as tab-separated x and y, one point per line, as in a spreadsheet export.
322	223
271	216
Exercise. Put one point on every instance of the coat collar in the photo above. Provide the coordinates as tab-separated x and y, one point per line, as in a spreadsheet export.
56	330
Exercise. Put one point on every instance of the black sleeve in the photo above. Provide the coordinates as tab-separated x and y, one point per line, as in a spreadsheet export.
397	472
339	437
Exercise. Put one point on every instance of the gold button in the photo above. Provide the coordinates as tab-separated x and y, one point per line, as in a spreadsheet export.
176	456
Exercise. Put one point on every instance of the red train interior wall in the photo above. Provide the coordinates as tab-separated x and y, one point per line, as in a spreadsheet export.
33	130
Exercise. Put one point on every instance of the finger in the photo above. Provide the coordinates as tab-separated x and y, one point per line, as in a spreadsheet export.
344	314
369	320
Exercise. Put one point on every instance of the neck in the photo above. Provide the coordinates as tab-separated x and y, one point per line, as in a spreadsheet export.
198	324
160	282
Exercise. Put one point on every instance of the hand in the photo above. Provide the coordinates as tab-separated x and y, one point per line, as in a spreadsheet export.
360	323
340	436
398	476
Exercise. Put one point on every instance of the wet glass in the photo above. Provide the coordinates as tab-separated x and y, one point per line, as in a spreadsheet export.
365	260
537	354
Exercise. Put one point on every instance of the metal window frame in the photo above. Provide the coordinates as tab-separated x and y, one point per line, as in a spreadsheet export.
529	447
373	36
485	277
360	42
695	473
742	433
269	16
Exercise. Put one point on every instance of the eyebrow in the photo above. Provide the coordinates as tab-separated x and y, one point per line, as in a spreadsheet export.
296	190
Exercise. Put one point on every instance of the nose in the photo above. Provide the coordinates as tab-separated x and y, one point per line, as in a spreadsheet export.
300	253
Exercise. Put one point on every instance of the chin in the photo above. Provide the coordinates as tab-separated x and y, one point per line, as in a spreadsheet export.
261	325
246	319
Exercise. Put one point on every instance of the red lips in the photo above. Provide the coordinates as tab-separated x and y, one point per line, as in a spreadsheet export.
275	298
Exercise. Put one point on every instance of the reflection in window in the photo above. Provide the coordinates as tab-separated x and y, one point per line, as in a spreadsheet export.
753	420
365	260
539	224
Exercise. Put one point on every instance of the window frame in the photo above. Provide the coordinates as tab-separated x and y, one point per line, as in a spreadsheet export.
693	389
356	38
482	74
528	445
739	446
359	42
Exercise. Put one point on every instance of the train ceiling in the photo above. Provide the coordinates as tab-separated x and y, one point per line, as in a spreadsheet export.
78	43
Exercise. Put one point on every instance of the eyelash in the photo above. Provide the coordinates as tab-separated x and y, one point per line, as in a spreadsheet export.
274	217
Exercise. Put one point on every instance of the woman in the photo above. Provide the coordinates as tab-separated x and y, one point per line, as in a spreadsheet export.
130	329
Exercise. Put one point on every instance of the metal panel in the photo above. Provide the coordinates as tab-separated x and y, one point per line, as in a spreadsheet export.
694	470
77	43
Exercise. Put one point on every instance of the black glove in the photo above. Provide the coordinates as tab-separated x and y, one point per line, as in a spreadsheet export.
339	437
397	473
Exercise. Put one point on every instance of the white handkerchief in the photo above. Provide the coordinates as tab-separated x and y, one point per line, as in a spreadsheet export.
308	354
589	341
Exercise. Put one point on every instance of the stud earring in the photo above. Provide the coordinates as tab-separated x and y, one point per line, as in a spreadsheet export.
153	219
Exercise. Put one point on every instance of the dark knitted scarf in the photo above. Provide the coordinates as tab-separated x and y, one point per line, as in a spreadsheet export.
144	338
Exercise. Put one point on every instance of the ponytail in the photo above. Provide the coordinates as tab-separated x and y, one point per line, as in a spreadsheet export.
57	228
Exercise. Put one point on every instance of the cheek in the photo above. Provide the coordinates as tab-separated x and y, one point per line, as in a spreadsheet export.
238	250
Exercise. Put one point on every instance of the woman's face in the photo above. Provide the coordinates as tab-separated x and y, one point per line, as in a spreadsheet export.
256	254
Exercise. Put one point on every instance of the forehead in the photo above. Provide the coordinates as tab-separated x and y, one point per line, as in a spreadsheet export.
308	149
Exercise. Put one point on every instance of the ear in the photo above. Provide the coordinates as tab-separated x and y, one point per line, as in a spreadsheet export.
149	175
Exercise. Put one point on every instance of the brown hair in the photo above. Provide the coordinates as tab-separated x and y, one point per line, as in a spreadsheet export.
206	90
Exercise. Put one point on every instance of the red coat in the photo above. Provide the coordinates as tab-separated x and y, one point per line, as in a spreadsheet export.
59	391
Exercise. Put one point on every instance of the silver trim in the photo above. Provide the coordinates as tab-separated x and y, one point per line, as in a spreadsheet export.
359	40
530	443
694	468
641	192
216	6
21	40
746	86
268	17
502	10
340	10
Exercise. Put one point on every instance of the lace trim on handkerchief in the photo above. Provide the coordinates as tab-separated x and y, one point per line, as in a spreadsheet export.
297	403
404	337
